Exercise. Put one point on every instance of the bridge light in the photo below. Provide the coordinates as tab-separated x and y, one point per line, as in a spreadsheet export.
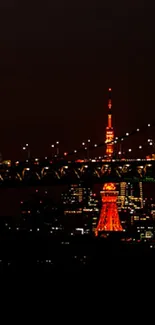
95	145
88	140
140	147
127	134
137	130
24	148
149	125
130	150
57	142
149	140
83	143
150	143
75	151
27	145
52	145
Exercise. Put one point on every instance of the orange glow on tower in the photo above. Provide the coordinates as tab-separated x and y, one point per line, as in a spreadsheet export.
109	130
109	217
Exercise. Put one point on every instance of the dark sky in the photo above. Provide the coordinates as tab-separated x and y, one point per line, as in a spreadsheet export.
57	60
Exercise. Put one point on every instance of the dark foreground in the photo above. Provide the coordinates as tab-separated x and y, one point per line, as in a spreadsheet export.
37	253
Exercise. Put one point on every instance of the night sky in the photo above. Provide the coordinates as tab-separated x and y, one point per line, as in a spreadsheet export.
57	60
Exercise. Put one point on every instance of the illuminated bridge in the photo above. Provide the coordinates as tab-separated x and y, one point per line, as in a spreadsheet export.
65	172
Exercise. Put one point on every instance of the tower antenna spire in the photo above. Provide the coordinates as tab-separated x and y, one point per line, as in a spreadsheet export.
109	130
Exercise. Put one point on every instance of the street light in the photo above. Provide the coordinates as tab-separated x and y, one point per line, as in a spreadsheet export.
56	145
26	148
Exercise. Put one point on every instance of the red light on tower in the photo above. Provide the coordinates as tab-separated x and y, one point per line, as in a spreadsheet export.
109	217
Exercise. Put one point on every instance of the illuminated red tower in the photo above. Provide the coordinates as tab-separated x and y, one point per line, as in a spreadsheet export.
109	130
109	217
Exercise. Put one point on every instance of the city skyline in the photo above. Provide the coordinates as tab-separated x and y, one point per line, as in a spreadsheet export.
57	63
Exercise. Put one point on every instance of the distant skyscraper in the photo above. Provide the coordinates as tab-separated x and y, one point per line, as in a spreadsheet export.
109	130
81	208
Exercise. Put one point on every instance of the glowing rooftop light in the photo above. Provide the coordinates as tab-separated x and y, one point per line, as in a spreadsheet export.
140	147
52	145
57	142
150	143
27	145
24	148
127	134
88	140
75	151
83	143
119	152
95	145
137	130
149	125
130	150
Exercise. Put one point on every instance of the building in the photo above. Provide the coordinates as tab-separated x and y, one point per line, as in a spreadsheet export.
81	209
